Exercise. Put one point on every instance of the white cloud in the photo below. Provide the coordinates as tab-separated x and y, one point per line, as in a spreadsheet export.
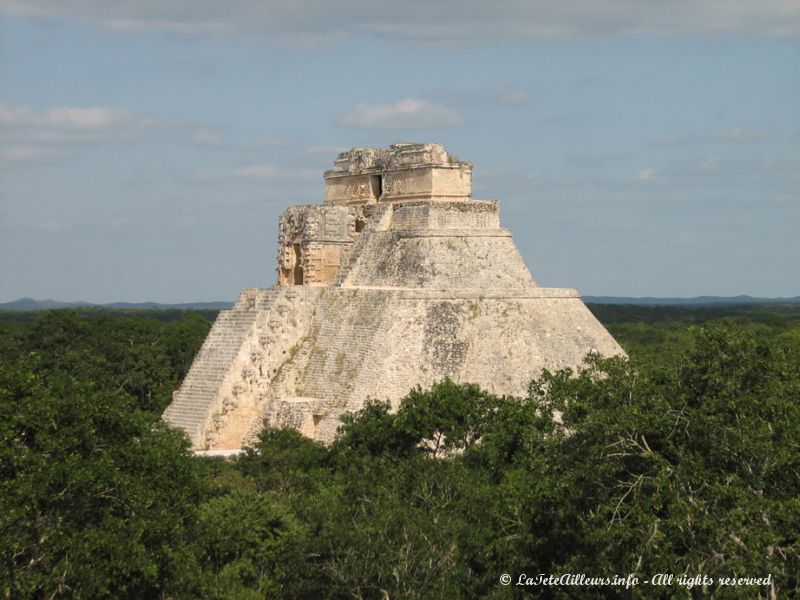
203	176
596	159
331	151
65	117
269	142
256	172
169	26
647	175
70	123
672	140
275	172
736	134
206	137
321	21
733	134
262	172
403	114
708	164
23	154
508	96
51	226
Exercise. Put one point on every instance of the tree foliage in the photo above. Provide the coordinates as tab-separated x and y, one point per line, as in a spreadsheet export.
688	464
92	492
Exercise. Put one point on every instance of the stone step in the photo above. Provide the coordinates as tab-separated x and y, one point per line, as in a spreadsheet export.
188	405
355	251
185	422
194	398
191	404
198	387
185	415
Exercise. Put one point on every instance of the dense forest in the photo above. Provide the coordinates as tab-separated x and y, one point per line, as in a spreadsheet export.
682	459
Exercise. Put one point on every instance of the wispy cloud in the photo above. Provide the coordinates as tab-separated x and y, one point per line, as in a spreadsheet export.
169	26
275	172
327	151
29	154
66	124
64	117
732	134
318	21
253	172
596	159
709	164
119	222
262	172
736	134
403	114
52	226
206	137
269	142
647	175
508	96
201	176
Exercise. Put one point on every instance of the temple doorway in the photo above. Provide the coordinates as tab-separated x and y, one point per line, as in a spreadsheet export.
297	272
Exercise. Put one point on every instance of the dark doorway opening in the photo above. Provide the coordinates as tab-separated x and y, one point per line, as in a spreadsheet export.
360	224
376	183
297	274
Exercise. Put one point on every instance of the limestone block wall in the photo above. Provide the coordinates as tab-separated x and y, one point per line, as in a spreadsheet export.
313	241
453	182
325	369
427	182
401	172
362	188
495	339
474	214
373	218
436	245
370	343
441	259
417	154
407	184
235	394
360	159
255	299
275	341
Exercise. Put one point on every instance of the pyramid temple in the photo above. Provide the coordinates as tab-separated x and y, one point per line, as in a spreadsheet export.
398	279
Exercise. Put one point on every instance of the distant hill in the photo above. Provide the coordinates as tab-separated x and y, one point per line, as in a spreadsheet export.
696	301
185	305
31	304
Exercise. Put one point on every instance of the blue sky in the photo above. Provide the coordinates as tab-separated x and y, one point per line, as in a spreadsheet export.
640	149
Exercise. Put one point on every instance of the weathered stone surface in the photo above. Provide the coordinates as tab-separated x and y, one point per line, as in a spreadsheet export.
401	172
377	293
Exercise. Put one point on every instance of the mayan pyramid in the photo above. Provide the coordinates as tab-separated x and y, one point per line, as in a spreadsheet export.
399	278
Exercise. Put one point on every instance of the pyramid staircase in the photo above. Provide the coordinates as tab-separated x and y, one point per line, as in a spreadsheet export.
195	401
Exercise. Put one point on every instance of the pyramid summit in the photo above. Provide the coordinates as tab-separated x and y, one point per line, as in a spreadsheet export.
399	278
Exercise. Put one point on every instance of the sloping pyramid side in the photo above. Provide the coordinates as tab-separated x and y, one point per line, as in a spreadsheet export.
457	316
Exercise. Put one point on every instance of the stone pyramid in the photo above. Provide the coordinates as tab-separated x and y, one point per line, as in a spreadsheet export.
399	278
